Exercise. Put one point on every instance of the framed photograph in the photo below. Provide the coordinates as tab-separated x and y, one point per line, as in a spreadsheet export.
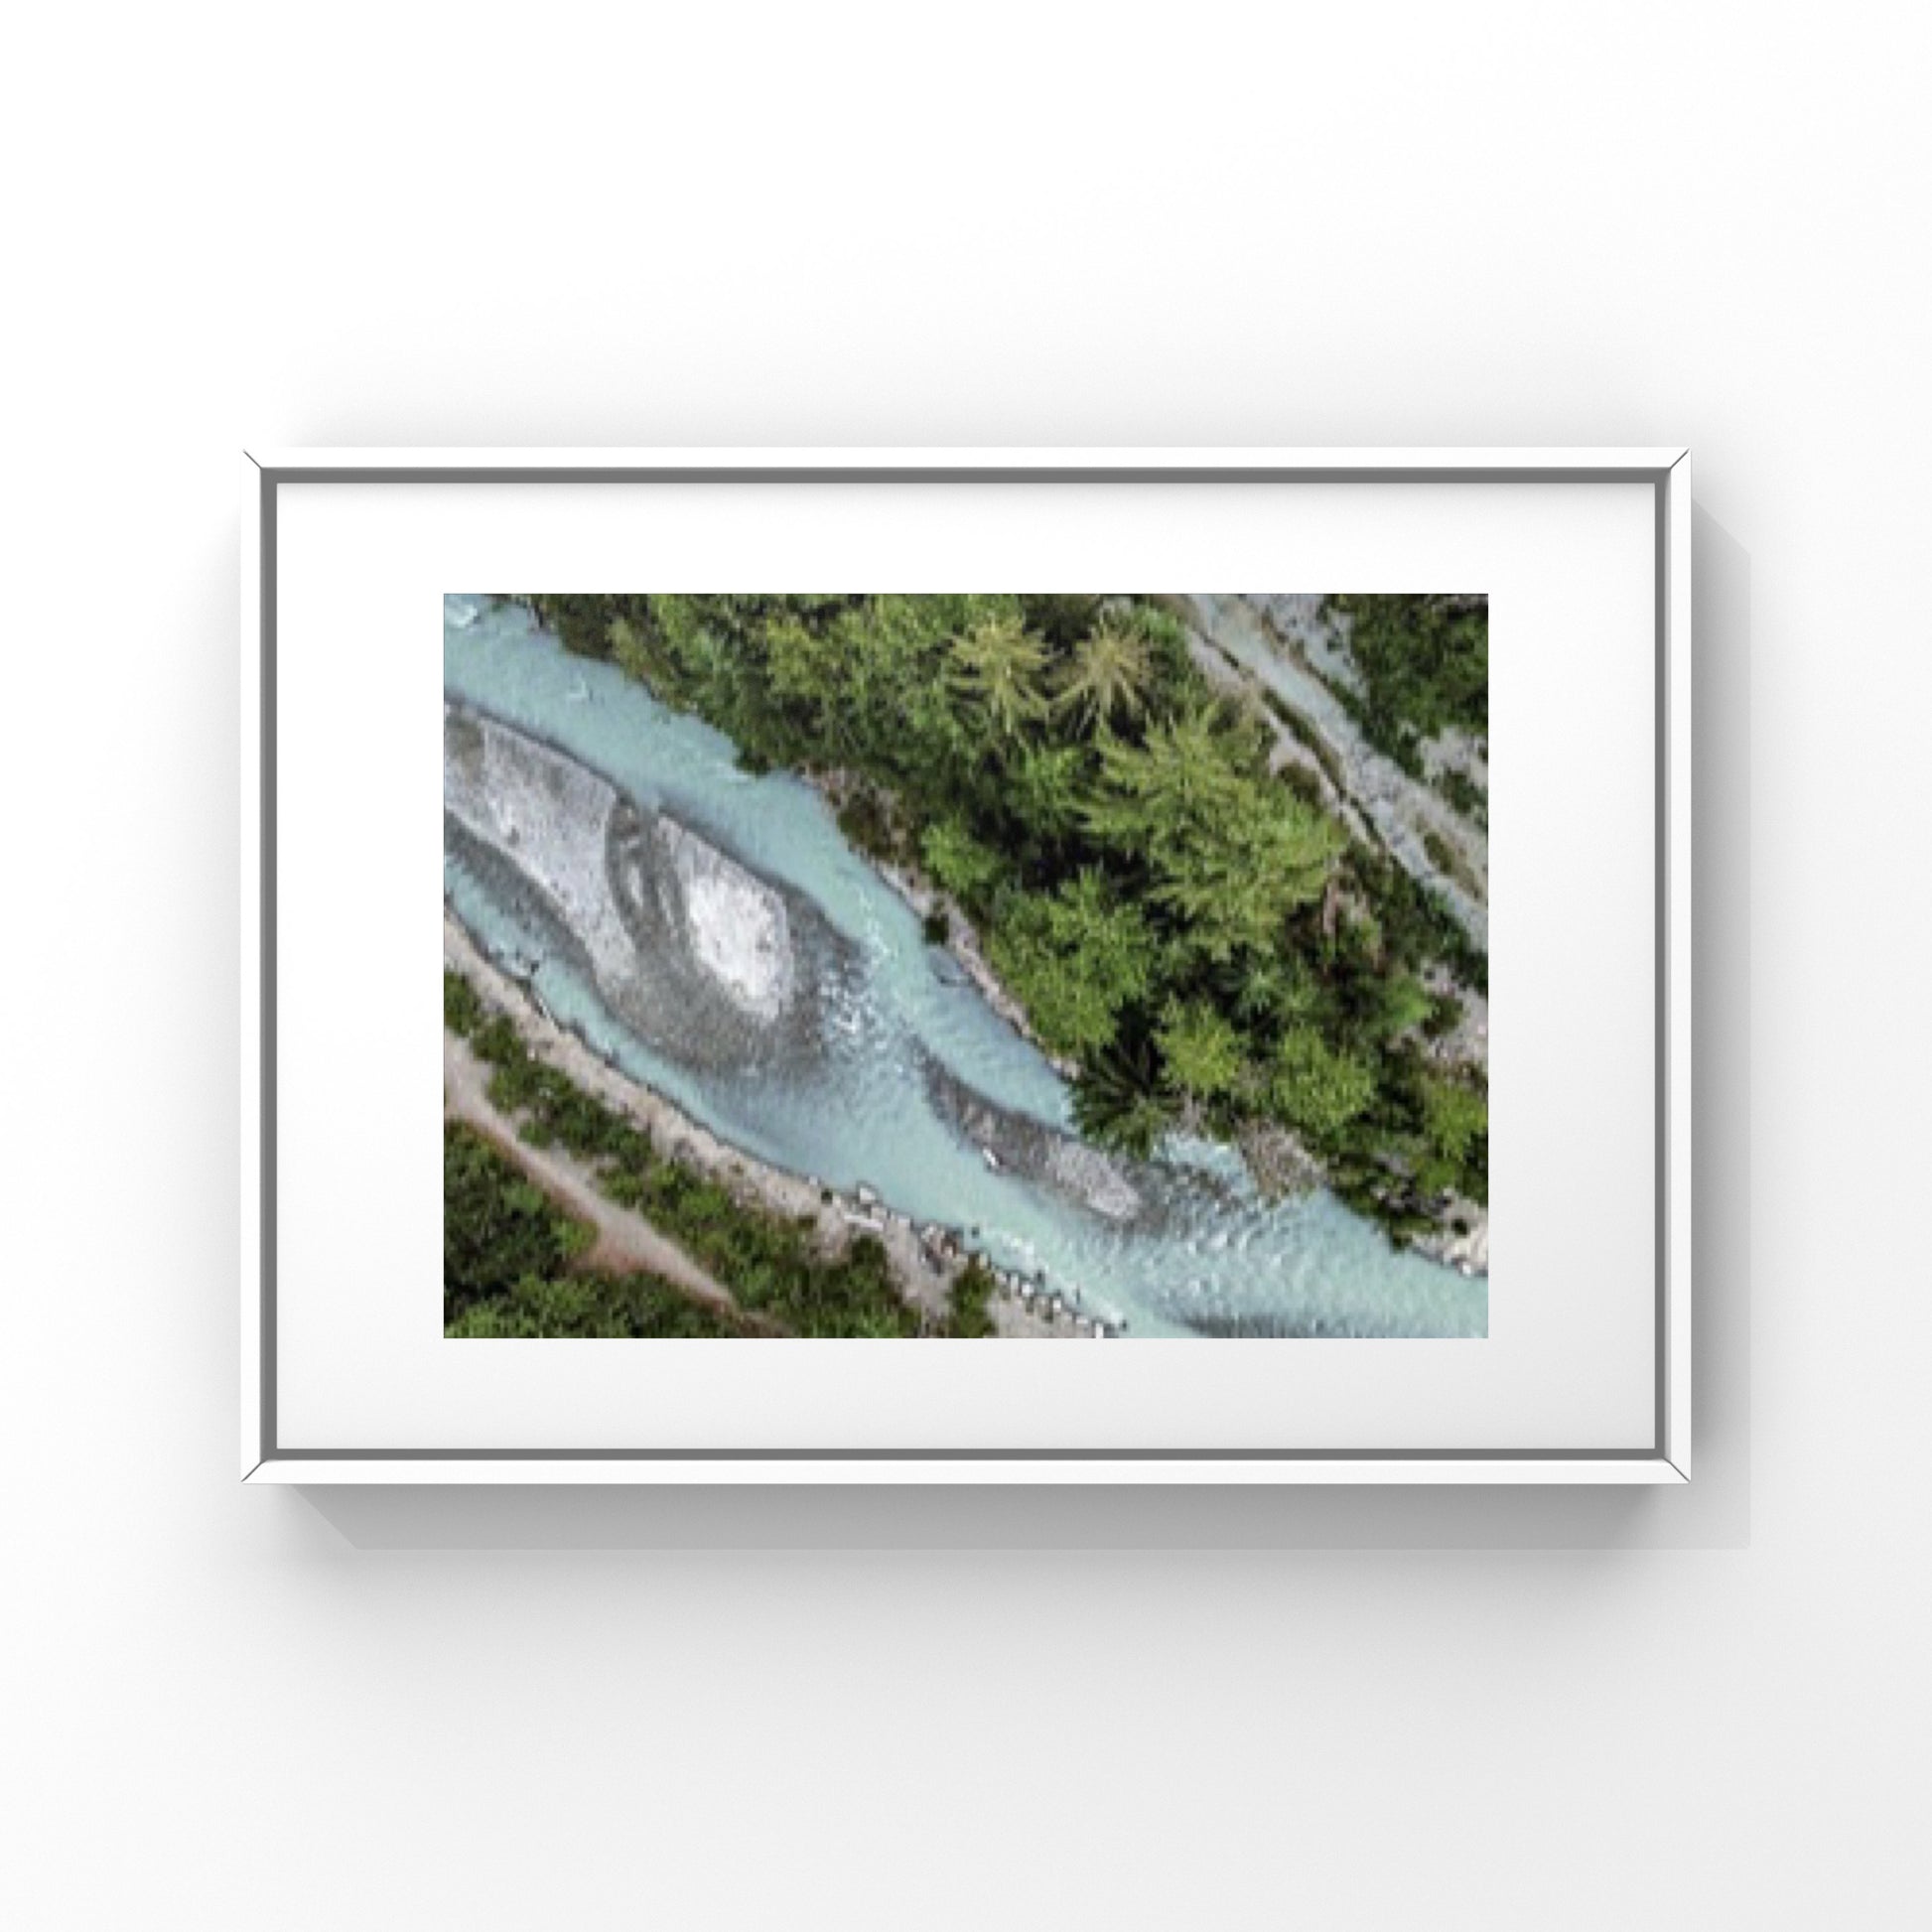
906	916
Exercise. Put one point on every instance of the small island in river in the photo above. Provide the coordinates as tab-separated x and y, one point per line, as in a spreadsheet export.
965	966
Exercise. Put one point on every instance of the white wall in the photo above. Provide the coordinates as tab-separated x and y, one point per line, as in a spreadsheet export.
1407	224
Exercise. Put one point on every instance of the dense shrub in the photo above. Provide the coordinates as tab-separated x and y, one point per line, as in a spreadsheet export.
497	1229
1425	669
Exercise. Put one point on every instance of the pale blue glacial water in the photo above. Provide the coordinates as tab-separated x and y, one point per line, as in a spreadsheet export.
902	1032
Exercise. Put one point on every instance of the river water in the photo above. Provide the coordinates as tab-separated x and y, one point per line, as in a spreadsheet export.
889	1071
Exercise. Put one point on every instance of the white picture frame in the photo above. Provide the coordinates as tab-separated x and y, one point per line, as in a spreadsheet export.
267	1454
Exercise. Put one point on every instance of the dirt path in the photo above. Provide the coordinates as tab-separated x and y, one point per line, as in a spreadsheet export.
625	1242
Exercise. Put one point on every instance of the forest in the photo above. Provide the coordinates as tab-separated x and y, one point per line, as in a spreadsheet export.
1195	937
510	1261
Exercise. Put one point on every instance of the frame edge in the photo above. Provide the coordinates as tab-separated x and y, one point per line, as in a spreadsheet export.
832	1472
816	462
252	1041
1678	1118
1670	1461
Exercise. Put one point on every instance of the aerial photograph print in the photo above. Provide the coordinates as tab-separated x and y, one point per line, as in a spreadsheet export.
976	966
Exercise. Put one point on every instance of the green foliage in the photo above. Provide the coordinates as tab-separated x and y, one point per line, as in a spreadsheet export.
1271	993
1061	619
1230	853
498	1228
1406	1004
462	1011
1415	924
972	1300
1203	1050
959	864
998	669
1316	1090
1108	672
582	623
1073	960
1120	1102
1045	786
630	644
1455	1119
636	1306
1178	784
1466	795
1458	1116
866	818
1425	669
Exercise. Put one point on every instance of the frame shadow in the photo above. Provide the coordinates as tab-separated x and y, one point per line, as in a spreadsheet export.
1713	1512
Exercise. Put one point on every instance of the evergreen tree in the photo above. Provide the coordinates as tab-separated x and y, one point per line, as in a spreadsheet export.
999	667
1106	679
